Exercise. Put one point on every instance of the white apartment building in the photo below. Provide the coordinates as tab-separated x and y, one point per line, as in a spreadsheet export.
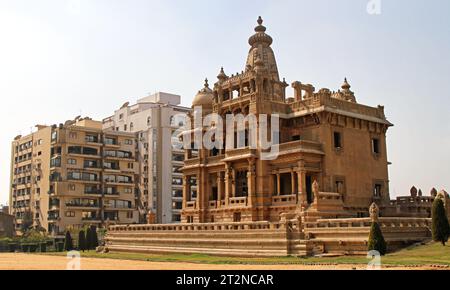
155	119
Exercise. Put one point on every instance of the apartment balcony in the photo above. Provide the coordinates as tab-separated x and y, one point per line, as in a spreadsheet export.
93	220
112	145
112	169
92	167
84	155
93	193
82	206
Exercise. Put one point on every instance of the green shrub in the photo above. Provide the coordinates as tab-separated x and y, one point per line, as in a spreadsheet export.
376	239
440	227
89	239
81	241
68	245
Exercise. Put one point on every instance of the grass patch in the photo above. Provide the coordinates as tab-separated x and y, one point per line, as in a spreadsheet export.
430	254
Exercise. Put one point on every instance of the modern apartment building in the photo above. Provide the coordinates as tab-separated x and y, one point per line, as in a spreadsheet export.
155	119
73	175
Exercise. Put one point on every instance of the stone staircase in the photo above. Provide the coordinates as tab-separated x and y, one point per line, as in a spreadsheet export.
269	241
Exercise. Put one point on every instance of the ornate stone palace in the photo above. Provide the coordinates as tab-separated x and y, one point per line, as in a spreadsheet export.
314	198
326	138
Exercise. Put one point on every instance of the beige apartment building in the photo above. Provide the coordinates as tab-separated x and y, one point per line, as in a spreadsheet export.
155	119
73	175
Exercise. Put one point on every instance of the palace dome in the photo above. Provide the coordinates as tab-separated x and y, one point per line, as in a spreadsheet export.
204	97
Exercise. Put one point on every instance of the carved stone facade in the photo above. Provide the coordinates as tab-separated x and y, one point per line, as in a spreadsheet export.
326	139
320	194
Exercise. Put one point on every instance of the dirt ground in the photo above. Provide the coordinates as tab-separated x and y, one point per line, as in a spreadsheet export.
40	262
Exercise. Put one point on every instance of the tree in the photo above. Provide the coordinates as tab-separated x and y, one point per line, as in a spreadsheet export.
27	221
81	241
94	238
440	227
68	244
88	239
376	239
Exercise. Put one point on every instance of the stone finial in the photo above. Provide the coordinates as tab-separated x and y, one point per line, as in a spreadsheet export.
433	192
420	193
413	191
374	211
346	85
260	20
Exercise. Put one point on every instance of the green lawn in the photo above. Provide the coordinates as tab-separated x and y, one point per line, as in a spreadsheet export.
431	254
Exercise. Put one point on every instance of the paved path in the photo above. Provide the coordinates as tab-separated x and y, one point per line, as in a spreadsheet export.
41	262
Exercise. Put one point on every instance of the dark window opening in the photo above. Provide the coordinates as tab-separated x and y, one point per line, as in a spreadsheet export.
337	140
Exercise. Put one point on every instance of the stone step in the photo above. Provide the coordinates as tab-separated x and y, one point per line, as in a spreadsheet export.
266	244
206	251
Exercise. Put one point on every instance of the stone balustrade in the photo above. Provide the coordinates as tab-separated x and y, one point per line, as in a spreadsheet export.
284	200
238	201
327	101
191	205
200	227
366	222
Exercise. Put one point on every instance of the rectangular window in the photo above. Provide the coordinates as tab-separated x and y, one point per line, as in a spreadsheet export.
130	215
378	190
337	140
70	214
72	161
376	146
73	135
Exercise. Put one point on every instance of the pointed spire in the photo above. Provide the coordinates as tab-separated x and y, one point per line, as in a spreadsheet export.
222	76
206	83
346	85
260	27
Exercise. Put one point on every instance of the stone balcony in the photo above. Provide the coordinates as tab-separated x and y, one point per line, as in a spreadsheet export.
282	200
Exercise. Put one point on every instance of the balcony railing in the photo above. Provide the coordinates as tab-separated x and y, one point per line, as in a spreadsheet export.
284	200
238	201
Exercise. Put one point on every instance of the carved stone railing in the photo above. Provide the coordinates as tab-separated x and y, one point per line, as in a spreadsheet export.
213	204
311	145
235	153
202	227
191	162
238	201
284	200
323	100
366	222
330	196
191	205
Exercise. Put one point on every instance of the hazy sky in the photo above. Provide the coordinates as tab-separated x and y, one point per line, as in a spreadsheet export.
60	59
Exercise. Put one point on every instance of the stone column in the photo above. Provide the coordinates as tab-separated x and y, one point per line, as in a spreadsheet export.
278	184
251	180
227	185
302	187
199	191
185	191
233	183
219	189
293	182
